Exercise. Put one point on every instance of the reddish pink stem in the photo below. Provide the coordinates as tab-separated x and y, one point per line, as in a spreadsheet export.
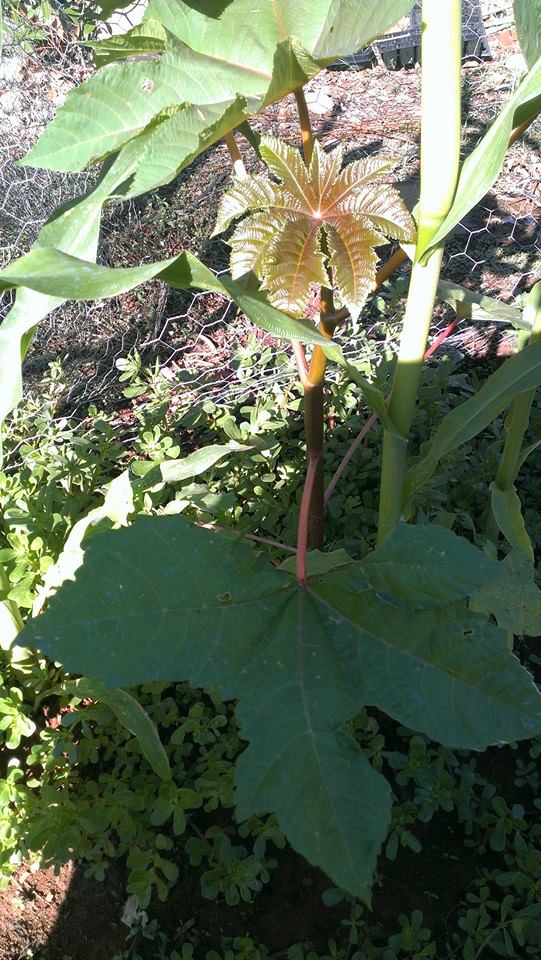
300	357
441	337
352	449
304	516
373	417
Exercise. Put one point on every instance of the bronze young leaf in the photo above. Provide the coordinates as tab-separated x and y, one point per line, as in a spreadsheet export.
317	223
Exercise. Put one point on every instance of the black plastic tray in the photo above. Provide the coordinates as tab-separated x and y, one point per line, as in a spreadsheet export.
404	49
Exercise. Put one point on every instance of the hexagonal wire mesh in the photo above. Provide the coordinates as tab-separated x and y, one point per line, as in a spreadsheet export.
196	338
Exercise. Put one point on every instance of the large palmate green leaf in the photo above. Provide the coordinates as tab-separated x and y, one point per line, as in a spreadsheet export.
516	375
228	60
166	600
513	597
481	168
313	210
404	566
528	23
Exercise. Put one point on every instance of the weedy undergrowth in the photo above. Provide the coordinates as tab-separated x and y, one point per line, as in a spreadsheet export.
416	627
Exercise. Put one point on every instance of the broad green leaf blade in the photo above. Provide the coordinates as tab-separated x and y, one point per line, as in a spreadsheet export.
444	671
528	24
348	27
318	562
116	507
333	806
428	566
353	262
166	148
165	599
516	375
103	113
196	463
47	270
142	40
73	228
507	510
475	306
513	598
336	809
294	266
215	68
482	166
248	30
131	715
292	68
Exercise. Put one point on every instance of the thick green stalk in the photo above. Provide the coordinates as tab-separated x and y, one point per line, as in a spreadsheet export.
519	412
440	155
306	126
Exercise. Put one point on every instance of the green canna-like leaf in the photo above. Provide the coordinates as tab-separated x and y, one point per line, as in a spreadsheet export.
72	229
528	24
311	207
131	715
516	375
403	567
482	166
50	271
165	599
479	308
507	511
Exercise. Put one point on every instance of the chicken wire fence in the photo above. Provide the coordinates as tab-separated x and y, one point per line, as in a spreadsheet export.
197	340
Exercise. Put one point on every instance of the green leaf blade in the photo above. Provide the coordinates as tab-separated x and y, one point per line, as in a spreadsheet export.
528	24
444	671
481	168
507	510
428	566
165	599
516	375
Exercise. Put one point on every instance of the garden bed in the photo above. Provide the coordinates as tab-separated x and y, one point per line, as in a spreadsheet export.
460	874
